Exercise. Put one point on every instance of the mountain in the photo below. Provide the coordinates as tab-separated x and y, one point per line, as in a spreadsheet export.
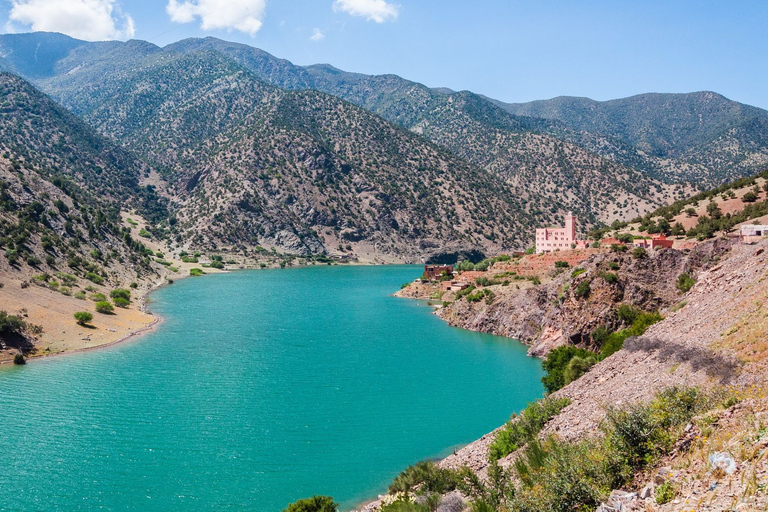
61	190
552	174
718	139
245	164
181	107
700	138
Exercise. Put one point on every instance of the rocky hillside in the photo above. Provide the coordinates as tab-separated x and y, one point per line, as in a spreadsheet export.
710	138
61	190
551	174
648	424
246	164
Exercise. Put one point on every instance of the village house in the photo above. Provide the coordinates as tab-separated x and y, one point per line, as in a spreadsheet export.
751	233
559	239
433	272
656	242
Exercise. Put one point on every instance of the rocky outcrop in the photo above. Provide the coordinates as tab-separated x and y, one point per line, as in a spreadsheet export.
568	308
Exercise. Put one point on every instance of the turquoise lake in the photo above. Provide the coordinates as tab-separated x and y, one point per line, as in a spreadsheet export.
260	388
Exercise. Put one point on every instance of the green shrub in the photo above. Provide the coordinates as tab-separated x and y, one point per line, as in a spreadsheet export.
313	504
568	476
217	264
427	476
144	233
562	264
557	361
685	282
98	297
639	252
583	289
749	197
19	359
189	259
609	277
11	325
121	302
80	295
618	248
83	317
484	281
641	320
94	278
665	493
121	293
613	265
195	272
66	279
578	271
627	313
466	291
577	367
524	427
104	307
134	285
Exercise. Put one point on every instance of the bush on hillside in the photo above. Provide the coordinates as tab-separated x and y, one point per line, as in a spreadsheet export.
104	307
559	475
94	278
685	282
583	289
11	325
313	504
121	302
524	427
557	361
427	476
577	367
19	359
121	293
83	317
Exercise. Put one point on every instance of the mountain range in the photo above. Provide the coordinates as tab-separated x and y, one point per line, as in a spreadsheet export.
225	146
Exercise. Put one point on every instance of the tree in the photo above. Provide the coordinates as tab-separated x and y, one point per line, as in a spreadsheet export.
313	504
121	302
749	197
11	324
556	363
83	317
678	230
121	293
104	307
714	211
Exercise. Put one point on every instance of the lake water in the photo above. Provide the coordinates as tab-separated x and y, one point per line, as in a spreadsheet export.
260	387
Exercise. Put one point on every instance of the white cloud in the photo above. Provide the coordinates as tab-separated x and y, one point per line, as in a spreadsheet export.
376	10
92	20
317	35
243	15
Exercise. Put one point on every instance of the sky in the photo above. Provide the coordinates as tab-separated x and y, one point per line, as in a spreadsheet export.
511	50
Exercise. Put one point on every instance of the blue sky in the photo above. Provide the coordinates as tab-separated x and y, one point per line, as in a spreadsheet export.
510	50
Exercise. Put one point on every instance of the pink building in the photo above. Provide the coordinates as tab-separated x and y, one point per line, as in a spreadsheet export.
654	243
554	239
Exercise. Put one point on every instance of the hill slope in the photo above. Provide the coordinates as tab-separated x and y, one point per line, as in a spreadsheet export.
718	138
248	164
61	190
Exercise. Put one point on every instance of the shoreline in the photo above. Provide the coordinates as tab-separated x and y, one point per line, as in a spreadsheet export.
157	320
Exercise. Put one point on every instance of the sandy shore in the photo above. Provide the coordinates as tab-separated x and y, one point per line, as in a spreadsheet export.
54	311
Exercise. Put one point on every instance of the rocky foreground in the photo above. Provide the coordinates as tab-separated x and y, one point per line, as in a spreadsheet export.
711	337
